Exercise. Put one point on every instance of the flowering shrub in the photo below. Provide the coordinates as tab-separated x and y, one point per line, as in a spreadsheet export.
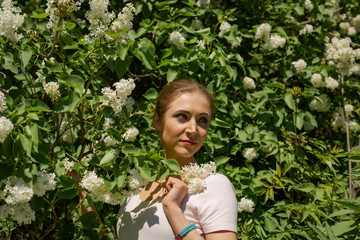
78	87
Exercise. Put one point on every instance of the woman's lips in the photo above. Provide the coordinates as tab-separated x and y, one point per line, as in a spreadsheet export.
188	142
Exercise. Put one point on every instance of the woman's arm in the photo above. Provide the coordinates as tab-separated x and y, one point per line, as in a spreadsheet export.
176	191
221	235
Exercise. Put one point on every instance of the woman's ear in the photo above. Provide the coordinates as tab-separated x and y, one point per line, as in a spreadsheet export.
157	122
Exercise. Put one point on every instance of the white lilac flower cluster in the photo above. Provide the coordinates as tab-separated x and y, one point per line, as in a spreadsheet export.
250	154
308	29
21	213
108	123
245	205
117	98
3	106
224	28
123	22
177	39
200	44
195	175
67	131
320	104
16	191
109	141
331	83
96	186
55	8
338	122
86	159
100	19
317	82
130	134
134	182
351	27
10	21
17	195
44	182
248	83
6	127
203	3
342	55
269	41
299	65
68	165
52	90
308	5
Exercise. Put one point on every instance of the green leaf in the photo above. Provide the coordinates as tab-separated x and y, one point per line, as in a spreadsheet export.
131	150
318	231
173	164
5	171
145	171
120	174
110	185
26	144
305	187
25	57
87	221
330	232
145	52
35	136
350	203
224	122
299	9
74	81
38	106
9	63
70	25
122	66
171	75
59	168
289	100
74	101
39	15
165	5
67	193
300	120
221	160
151	94
340	228
109	157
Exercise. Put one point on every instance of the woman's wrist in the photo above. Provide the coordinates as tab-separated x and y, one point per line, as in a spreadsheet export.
171	208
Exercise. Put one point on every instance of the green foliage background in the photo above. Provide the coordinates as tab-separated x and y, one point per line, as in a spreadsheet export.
299	181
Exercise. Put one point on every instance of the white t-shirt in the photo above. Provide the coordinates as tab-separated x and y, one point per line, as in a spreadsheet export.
212	210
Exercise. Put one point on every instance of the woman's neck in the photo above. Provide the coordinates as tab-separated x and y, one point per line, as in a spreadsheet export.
184	161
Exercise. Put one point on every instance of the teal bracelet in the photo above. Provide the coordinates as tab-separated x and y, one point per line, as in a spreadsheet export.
183	232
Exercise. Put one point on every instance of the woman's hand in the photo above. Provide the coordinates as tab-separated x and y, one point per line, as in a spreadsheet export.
176	191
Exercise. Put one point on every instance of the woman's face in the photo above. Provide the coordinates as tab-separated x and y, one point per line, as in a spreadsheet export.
184	126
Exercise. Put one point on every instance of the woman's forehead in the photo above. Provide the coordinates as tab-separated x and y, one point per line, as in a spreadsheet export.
190	101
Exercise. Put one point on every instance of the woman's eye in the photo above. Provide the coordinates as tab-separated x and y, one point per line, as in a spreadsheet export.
203	120
181	116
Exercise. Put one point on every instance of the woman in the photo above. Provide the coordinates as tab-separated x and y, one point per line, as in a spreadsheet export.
164	210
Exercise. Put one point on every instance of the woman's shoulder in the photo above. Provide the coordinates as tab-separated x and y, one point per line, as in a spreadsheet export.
218	178
218	182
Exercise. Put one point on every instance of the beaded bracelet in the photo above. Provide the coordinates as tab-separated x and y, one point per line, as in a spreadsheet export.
183	232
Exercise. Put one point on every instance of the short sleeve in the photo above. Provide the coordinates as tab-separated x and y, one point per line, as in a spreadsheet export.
217	208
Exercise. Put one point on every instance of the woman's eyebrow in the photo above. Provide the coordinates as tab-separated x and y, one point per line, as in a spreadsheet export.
204	113
188	112
182	111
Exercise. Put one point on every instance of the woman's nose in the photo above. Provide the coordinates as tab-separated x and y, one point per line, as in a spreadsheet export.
191	127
